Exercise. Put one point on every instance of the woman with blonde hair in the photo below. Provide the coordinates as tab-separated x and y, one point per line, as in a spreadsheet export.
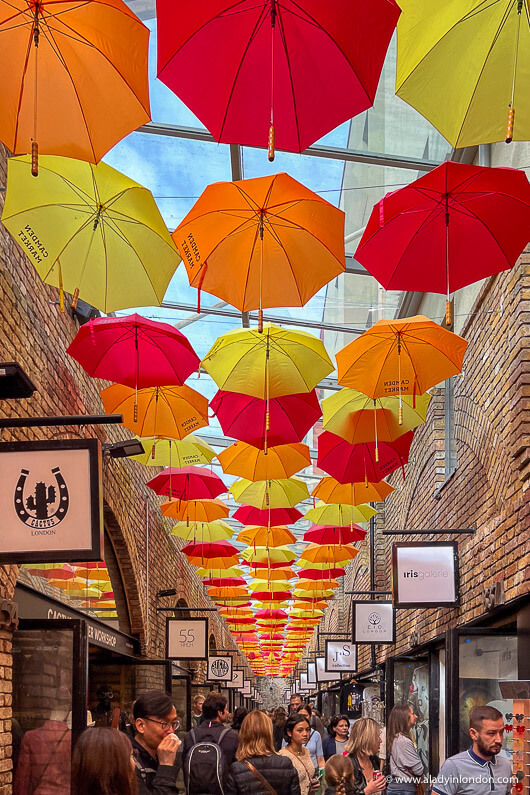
363	749
258	769
339	775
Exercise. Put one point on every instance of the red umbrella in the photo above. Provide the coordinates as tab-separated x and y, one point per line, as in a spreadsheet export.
224	582
466	222
353	463
134	351
275	517
329	534
303	68
321	574
218	549
266	565
266	596
188	483
243	417
271	614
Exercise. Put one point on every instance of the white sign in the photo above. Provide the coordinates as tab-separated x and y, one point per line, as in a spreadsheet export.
311	673
50	501
187	638
373	622
237	679
304	686
341	656
322	674
246	690
219	669
424	574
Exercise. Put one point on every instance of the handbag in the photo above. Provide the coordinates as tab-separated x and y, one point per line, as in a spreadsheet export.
261	778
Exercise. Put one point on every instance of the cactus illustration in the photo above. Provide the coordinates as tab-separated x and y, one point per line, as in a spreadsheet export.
39	502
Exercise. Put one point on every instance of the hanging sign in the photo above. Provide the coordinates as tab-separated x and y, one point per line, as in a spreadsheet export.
340	656
187	638
51	501
425	574
311	673
304	686
237	679
322	674
373	622
219	669
247	688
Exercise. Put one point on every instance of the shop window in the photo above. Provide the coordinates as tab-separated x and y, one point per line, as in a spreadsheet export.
411	686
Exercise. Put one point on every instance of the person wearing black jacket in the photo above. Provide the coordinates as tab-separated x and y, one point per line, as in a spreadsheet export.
258	769
215	713
155	744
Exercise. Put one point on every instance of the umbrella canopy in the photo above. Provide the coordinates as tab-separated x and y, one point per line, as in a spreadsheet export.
91	230
320	574
283	572
371	461
134	351
203	532
340	514
301	69
247	461
218	549
309	584
332	491
74	76
467	222
232	571
280	555
162	452
213	564
276	596
465	68
271	614
330	534
57	571
225	582
323	568
187	483
332	553
92	571
227	593
273	517
276	362
269	587
278	493
262	242
266	536
195	510
358	418
169	411
400	357
245	417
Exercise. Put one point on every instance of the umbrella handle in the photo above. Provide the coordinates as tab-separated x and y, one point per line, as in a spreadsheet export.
509	125
272	137
35	159
448	318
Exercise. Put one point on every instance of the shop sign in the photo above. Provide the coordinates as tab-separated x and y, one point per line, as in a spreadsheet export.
246	689
322	674
304	685
425	574
219	669
51	501
373	622
237	679
187	638
340	656
311	673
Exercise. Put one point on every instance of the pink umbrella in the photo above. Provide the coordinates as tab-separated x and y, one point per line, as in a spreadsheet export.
188	483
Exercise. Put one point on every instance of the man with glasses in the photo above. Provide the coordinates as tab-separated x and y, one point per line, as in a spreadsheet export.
155	744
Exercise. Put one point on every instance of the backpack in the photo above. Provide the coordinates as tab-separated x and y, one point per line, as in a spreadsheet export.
206	766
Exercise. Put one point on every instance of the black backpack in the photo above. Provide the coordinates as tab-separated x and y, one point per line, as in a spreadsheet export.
206	767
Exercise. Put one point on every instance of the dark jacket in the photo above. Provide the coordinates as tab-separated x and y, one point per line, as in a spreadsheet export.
152	777
209	731
332	790
359	781
277	770
278	736
328	747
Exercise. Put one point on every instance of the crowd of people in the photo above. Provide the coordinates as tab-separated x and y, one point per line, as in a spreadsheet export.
279	753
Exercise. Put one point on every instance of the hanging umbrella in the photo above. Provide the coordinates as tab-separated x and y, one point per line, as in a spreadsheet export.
331	534
74	76
340	514
283	572
92	571
329	553
320	574
224	582
285	69
134	351
187	483
247	514
359	462
217	549
466	221
271	614
316	586
465	66
244	417
269	597
309	596
332	491
262	242
324	568
280	555
57	571
195	510
90	230
269	587
170	411
232	571
278	493
212	564
163	452
75	587
247	461
266	536
406	356
202	532
227	593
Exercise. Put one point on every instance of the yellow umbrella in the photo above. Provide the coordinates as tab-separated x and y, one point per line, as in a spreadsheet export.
271	587
164	452
231	571
99	572
266	536
195	510
465	67
250	462
329	553
331	491
340	514
264	555
263	494
202	532
90	230
322	565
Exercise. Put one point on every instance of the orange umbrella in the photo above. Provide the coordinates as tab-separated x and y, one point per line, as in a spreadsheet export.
74	76
213	563
266	536
171	411
227	593
332	492
281	461
317	585
406	356
263	242
195	510
323	553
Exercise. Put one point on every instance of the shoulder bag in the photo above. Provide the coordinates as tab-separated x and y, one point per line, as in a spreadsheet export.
261	778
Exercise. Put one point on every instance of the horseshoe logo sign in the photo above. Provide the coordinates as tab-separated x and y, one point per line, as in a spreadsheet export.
47	506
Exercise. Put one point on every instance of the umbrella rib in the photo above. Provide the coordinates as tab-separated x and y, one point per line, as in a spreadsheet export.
274	234
291	82
59	255
21	92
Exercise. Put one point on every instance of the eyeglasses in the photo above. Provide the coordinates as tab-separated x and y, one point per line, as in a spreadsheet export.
174	724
